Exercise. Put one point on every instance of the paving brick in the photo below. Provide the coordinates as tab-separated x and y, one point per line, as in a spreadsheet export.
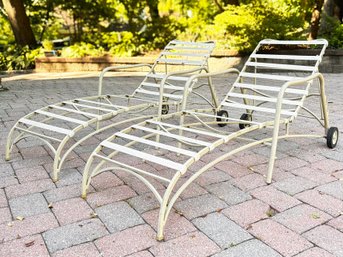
68	177
327	238
315	251
278	174
126	242
235	170
176	225
290	163
31	246
221	230
28	205
229	193
28	226
73	234
250	159
30	163
275	198
84	250
328	166
250	181
302	218
212	176
294	185
337	223
322	201
71	210
199	206
144	203
63	193
192	190
334	188
8	181
3	199
141	254
33	152
313	175
5	215
31	174
105	180
6	170
286	242
109	196
194	244
118	216
251	248
248	212
31	187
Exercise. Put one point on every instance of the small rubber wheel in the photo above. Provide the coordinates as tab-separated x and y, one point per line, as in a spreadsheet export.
247	117
222	113
332	137
165	109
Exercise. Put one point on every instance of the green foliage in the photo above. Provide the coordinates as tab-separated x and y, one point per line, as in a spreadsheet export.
15	58
82	50
333	32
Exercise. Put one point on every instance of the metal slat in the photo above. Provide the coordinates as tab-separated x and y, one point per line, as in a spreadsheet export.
154	85
263	98
104	104
175	53
162	75
143	91
196	131
281	66
144	156
90	107
256	108
269	88
202	48
61	117
156	144
293	42
170	135
75	111
47	127
287	57
267	76
179	61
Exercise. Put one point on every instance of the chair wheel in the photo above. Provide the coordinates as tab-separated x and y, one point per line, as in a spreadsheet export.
222	113
332	137
165	109
247	117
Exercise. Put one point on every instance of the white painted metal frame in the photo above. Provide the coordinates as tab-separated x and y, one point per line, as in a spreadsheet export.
178	136
176	62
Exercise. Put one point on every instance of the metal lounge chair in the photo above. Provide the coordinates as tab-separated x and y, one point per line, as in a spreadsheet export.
270	92
65	125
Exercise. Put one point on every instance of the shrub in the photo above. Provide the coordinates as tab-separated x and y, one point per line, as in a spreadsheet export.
81	50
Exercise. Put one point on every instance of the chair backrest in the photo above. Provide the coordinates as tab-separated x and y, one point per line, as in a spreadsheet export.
269	67
177	56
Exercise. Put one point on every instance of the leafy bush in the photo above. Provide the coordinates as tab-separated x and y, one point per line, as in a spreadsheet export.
81	50
333	32
15	58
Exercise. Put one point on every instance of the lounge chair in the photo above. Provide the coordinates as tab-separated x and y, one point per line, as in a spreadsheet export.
65	125
270	91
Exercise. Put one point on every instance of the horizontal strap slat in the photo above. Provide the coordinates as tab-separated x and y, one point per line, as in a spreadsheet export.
263	98
47	127
200	48
145	156
179	61
294	42
270	88
156	144
170	135
267	76
188	43
102	104
155	85
61	117
196	131
256	108
286	57
162	75
90	107
75	111
280	66
179	53
147	92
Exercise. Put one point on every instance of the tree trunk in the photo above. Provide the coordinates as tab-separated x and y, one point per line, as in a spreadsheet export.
19	22
315	19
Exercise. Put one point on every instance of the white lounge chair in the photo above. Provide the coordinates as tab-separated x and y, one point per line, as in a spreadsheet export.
270	91
79	119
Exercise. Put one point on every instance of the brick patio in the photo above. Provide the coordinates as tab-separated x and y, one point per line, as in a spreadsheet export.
228	211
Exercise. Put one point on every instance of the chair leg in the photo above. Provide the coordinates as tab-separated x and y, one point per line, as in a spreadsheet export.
272	154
